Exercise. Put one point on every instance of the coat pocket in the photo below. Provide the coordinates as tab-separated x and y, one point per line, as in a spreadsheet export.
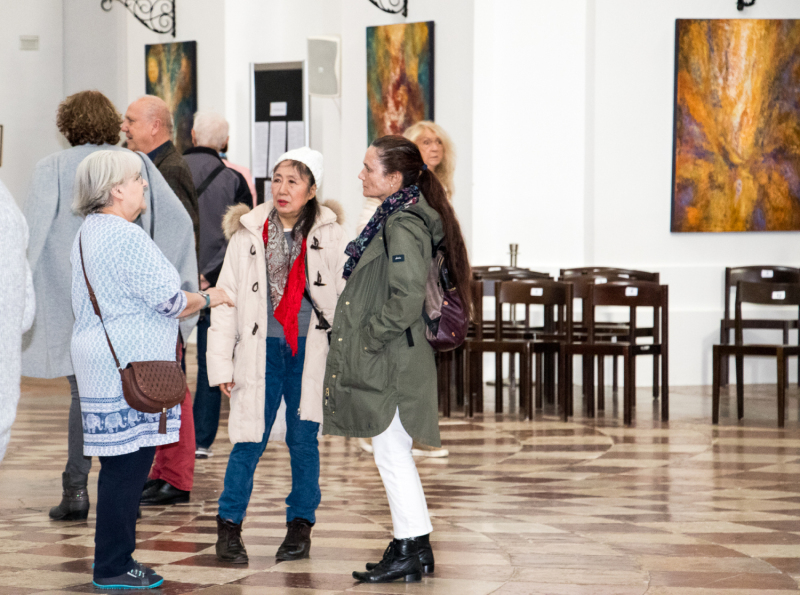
362	369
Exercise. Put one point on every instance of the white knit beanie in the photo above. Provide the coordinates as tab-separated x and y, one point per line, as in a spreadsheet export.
311	158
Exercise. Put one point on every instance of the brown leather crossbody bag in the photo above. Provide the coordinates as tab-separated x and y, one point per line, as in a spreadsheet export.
149	387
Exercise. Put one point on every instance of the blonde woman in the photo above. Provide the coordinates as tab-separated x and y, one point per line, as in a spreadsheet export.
437	151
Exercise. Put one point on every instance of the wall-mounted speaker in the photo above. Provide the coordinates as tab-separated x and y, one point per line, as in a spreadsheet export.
324	66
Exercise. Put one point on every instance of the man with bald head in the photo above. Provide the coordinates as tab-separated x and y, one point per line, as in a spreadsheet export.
148	126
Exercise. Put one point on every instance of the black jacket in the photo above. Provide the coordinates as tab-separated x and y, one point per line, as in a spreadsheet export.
227	188
177	174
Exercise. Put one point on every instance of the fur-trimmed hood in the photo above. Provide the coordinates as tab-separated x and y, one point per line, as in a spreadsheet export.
240	216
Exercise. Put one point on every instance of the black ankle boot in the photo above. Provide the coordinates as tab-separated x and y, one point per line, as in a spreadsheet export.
297	543
74	500
230	547
400	560
425	555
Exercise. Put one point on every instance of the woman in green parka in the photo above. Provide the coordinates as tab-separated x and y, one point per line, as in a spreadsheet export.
380	379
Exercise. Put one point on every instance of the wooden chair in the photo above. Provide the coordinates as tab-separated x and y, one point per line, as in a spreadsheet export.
755	274
774	294
581	278
552	336
633	294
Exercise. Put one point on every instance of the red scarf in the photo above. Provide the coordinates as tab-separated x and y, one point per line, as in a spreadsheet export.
289	306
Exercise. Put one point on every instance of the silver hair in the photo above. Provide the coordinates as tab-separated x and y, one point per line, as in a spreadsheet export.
210	130
157	109
97	175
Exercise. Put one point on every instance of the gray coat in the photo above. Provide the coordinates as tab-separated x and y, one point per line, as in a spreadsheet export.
53	226
17	303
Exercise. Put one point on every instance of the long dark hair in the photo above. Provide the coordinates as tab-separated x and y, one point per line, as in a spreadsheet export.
398	154
309	213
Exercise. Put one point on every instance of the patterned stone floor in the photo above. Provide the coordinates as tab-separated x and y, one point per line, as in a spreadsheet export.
581	508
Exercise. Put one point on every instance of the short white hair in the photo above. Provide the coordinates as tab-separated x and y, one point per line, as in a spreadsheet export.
97	175
210	130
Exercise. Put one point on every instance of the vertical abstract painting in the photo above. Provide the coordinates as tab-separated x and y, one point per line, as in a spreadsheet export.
399	77
737	126
171	74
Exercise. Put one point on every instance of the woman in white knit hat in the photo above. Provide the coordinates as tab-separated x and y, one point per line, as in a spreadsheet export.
283	270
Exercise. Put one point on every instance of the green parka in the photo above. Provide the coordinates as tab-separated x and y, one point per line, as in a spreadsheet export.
372	368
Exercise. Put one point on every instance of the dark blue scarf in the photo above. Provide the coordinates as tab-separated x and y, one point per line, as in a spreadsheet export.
399	200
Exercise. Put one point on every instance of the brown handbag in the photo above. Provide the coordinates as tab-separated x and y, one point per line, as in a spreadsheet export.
149	387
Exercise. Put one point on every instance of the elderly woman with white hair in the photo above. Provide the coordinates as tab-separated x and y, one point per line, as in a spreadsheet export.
140	298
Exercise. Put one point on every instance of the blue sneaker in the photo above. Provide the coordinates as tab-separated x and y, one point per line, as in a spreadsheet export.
136	578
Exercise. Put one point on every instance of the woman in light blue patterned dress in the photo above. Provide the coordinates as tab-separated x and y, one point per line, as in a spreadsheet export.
140	298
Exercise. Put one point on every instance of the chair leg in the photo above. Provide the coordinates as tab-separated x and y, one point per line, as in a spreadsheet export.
526	386
716	366
539	381
627	405
786	342
562	383
601	383
781	387
469	382
632	374
448	383
549	378
590	386
665	384
498	382
458	357
740	385
569	384
724	371
655	375
614	374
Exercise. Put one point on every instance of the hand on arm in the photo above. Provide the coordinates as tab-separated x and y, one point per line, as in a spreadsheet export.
196	302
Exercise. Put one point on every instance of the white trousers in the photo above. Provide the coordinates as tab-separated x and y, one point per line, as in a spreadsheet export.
398	471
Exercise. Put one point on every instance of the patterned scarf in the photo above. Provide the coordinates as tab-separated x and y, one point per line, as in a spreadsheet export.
399	200
286	271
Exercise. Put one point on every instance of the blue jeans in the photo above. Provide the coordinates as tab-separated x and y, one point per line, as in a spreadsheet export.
283	378
206	399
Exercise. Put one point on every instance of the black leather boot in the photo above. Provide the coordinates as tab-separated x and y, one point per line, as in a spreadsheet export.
425	555
297	543
230	547
400	561
74	500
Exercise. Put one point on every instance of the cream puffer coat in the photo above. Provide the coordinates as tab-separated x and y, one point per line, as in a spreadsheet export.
237	346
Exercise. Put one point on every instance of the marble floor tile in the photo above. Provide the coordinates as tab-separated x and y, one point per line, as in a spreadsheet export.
588	507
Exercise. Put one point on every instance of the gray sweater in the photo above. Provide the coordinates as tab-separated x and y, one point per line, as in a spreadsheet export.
53	226
17	303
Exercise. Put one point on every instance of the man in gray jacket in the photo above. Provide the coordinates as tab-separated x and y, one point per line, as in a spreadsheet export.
218	187
91	123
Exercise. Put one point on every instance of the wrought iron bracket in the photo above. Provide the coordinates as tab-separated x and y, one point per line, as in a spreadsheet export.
156	15
741	4
393	6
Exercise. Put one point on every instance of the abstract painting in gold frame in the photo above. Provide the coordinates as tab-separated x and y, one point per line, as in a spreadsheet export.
399	77
171	74
736	159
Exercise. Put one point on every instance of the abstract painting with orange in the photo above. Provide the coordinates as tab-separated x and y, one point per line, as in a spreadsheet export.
737	126
399	77
171	74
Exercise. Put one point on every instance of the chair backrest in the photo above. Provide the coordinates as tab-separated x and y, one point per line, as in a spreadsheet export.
633	294
765	294
631	274
768	274
556	298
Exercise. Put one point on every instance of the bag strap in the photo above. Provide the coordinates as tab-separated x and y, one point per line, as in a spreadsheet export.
323	325
418	216
95	305
207	182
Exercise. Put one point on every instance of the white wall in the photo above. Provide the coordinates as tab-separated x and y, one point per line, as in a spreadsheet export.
276	31
632	152
31	87
95	50
202	21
